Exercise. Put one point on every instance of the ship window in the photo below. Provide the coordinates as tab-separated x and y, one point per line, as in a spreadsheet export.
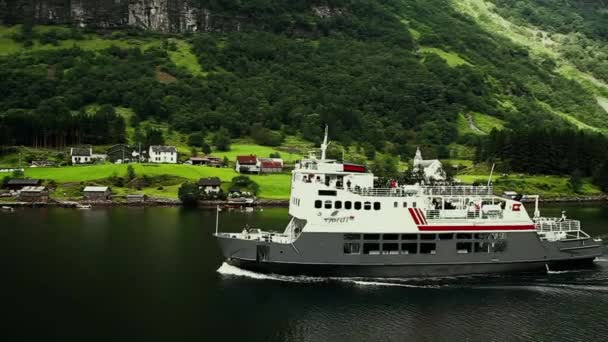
446	236
482	236
390	248
371	236
328	193
428	236
327	204
409	236
428	248
482	247
367	205
338	205
371	248
396	204
376	205
352	248
318	204
390	236
405	204
499	246
357	205
409	248
464	247
464	236
413	204
352	236
348	205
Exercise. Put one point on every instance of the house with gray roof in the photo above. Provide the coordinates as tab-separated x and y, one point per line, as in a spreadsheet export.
81	155
162	154
209	185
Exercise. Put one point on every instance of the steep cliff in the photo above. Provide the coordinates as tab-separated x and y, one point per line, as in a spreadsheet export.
154	15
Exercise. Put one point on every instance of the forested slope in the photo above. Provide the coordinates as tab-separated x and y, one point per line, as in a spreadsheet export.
387	75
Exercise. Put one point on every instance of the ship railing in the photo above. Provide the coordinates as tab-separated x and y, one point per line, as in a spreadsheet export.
383	192
559	229
257	235
462	214
457	190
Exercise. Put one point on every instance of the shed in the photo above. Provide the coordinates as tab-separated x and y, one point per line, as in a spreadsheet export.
97	193
41	163
18	183
34	194
208	185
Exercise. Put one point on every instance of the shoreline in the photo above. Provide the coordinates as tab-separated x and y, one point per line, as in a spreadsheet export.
151	202
264	203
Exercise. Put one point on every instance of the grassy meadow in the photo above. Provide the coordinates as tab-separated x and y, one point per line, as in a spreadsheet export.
274	186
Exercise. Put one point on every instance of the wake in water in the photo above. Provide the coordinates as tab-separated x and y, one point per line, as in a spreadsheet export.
233	271
552	281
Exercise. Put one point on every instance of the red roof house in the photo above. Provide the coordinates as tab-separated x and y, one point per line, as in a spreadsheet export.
247	164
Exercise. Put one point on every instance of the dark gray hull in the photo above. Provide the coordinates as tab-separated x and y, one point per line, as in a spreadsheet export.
322	254
407	271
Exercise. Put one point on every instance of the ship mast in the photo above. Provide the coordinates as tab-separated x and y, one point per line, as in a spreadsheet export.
324	144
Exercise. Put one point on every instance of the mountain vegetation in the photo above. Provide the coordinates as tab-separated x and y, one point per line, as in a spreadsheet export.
386	76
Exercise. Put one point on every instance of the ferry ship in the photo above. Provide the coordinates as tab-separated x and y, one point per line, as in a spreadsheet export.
343	226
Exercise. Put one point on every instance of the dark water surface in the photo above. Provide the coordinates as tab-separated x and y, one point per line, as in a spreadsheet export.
152	274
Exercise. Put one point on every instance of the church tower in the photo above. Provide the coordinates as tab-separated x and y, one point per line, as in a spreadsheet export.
418	158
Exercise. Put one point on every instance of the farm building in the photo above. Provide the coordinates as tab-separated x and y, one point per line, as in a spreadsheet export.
271	165
34	194
209	185
206	160
122	154
18	184
41	163
247	164
97	193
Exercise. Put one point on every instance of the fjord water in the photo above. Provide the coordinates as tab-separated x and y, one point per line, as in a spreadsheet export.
152	273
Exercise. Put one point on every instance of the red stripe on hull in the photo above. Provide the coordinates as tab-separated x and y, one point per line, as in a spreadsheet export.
474	228
422	218
414	216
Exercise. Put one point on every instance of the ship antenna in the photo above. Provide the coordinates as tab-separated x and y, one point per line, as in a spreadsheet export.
490	178
325	143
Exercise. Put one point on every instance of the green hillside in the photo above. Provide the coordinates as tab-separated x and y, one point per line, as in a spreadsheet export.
386	76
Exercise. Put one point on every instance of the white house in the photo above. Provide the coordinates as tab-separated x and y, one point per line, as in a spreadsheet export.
433	169
247	164
81	155
162	154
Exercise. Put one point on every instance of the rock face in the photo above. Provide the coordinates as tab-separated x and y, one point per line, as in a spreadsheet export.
154	15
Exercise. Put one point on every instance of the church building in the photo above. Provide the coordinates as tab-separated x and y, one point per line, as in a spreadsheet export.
433	170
